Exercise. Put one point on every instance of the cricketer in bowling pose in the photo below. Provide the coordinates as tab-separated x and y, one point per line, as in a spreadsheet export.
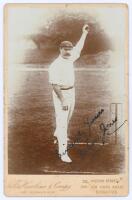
61	77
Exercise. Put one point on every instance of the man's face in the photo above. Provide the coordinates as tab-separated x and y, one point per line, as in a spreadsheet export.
65	52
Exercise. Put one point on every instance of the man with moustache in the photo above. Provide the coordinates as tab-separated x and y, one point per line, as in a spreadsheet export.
61	77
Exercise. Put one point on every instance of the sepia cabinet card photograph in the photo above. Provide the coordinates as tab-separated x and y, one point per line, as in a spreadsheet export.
65	99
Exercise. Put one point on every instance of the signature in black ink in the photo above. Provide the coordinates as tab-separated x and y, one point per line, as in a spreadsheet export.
91	121
117	128
70	146
103	127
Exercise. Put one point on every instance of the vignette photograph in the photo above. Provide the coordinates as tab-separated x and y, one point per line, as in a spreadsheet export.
66	97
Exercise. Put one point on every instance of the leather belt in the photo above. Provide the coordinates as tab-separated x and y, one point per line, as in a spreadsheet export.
68	88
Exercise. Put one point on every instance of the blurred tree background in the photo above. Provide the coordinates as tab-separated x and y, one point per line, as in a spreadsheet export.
68	26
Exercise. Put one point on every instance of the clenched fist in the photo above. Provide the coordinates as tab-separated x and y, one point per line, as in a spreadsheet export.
85	28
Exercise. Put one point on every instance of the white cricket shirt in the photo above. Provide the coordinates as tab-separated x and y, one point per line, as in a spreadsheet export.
61	71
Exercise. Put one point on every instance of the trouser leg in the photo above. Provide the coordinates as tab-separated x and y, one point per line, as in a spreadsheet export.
63	118
72	105
71	109
61	125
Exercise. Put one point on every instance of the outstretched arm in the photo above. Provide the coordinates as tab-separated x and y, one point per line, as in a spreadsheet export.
80	43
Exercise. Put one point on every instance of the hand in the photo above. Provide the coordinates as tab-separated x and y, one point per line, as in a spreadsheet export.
85	28
64	105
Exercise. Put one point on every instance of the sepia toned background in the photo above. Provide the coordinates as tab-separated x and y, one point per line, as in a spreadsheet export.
34	34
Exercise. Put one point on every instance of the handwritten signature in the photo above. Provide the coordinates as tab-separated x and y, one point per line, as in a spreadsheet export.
104	127
91	121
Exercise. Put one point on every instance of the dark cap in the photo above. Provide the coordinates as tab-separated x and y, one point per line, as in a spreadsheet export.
66	44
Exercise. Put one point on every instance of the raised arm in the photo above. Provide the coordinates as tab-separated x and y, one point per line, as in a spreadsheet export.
80	43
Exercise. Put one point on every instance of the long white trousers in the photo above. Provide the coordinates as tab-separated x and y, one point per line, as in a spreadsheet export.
63	117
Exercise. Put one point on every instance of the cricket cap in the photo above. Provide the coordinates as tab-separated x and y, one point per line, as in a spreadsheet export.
66	44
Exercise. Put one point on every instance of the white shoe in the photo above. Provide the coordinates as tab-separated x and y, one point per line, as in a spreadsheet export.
66	158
